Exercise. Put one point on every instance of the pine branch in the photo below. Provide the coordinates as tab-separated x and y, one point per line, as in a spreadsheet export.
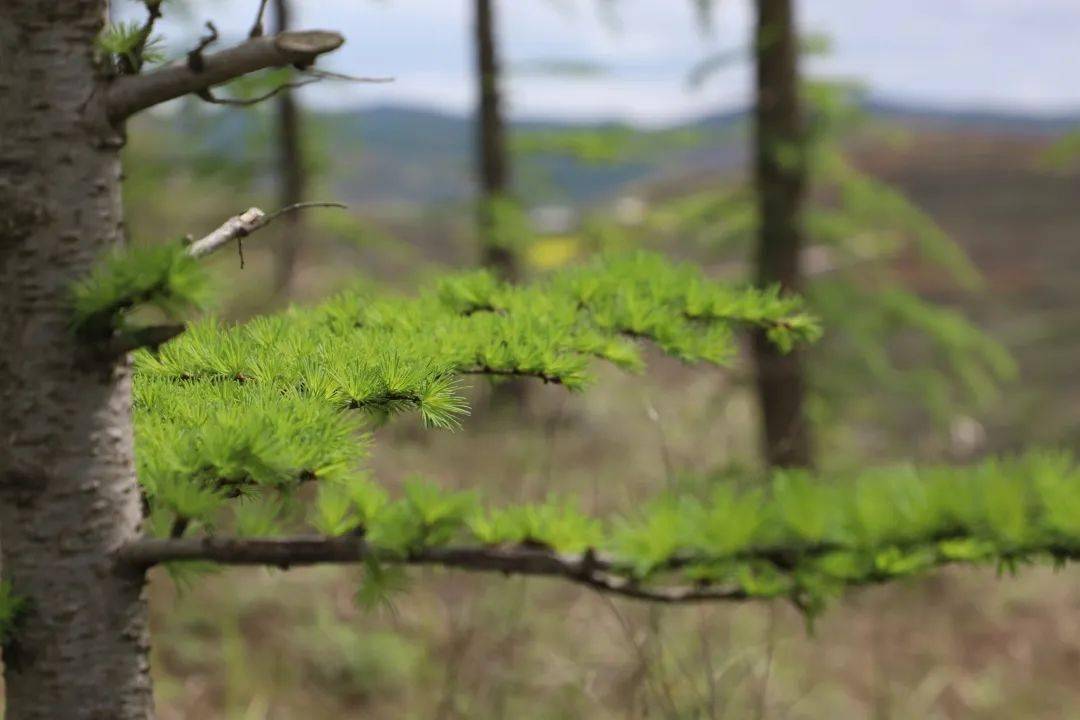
547	378
585	569
130	94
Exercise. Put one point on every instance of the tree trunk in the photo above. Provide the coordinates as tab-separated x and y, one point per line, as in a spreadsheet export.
493	162
292	173
68	493
780	175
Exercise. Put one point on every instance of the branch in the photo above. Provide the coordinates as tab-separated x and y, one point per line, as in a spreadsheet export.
129	94
151	337
248	102
512	372
242	225
153	9
257	26
585	569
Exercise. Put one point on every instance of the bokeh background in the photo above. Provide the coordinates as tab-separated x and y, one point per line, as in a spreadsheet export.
944	258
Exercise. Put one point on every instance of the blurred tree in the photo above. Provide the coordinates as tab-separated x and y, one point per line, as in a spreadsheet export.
889	352
780	177
497	211
292	176
1064	153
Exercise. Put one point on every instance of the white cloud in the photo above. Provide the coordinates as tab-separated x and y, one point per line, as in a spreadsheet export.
1000	53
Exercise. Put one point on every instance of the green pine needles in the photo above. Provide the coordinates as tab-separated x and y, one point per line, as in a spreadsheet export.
230	412
12	609
231	421
162	276
128	46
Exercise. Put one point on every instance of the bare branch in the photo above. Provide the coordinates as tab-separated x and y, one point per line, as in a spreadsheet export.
331	75
496	372
195	61
135	63
242	225
584	569
247	102
302	206
235	228
147	337
257	26
128	95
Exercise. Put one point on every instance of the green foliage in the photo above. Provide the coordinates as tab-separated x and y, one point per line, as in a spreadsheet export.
556	524
504	223
251	412
163	276
804	535
12	608
380	585
230	421
614	145
128	47
1064	153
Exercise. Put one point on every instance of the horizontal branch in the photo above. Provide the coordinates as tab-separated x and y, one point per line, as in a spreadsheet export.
242	225
513	373
151	337
584	569
130	94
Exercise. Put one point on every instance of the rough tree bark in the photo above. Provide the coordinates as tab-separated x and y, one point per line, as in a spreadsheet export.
780	176
292	172
68	494
493	164
69	499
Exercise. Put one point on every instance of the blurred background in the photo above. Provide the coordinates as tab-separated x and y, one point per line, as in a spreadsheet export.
936	162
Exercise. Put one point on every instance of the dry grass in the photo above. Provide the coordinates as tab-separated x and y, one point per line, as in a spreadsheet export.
261	644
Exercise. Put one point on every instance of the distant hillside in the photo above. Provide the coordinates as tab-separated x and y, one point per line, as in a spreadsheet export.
409	155
414	155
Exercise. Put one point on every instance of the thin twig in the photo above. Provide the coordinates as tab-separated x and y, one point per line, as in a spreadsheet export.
331	75
208	96
303	206
242	225
496	372
151	337
195	61
313	74
257	27
153	9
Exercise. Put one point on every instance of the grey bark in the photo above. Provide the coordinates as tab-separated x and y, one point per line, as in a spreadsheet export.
780	176
68	493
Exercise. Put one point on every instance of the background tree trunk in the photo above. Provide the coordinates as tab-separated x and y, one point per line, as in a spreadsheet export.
780	175
492	160
68	493
292	172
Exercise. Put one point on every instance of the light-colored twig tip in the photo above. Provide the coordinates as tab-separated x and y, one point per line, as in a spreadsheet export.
244	224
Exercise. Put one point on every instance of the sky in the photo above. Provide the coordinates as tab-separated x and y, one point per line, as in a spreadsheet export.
1003	55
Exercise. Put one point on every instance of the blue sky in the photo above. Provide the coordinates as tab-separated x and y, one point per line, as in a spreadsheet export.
1020	55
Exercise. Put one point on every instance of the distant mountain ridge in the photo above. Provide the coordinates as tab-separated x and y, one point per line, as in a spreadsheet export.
409	155
412	154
